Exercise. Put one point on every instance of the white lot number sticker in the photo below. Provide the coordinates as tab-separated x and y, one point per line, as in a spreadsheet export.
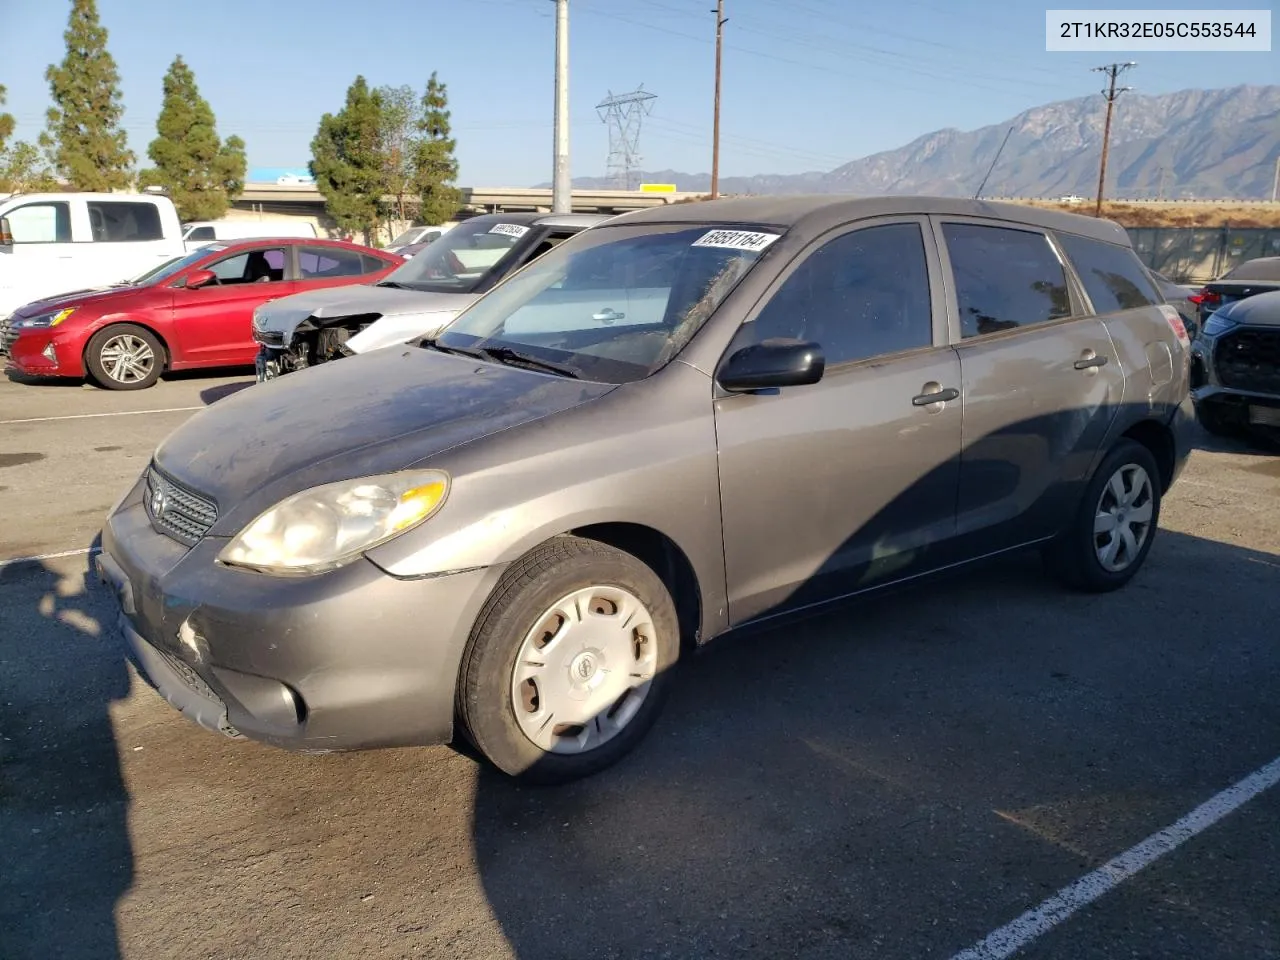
509	229
736	240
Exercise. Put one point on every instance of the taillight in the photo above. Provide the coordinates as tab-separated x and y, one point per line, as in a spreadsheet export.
1196	298
1209	298
1176	325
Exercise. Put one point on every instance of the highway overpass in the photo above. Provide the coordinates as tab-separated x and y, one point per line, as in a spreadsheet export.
306	200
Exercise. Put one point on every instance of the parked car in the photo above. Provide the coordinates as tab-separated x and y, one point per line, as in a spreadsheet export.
197	233
51	243
689	420
416	300
1182	298
417	235
1235	368
1244	280
193	311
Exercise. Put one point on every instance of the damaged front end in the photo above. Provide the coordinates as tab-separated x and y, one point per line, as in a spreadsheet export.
314	340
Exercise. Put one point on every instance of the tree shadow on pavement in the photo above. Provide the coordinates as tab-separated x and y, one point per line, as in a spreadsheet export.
898	776
67	857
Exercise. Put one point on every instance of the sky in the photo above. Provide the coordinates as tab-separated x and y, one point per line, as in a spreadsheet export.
806	85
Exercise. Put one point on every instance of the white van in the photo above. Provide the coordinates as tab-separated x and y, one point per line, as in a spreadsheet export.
53	243
200	232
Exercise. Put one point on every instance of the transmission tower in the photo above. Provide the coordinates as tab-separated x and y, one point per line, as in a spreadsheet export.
624	113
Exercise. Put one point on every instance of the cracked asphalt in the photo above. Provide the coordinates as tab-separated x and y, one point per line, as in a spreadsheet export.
894	778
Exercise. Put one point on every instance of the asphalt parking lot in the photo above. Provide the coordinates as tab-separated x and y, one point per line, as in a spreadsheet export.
897	778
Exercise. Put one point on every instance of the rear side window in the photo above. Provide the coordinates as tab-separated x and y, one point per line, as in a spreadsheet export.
1005	278
201	233
323	263
1113	277
373	264
41	223
118	221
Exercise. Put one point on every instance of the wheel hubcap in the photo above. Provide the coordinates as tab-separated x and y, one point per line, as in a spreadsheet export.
584	669
1122	521
127	359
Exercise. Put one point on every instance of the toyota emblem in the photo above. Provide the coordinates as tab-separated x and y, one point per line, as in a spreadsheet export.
157	501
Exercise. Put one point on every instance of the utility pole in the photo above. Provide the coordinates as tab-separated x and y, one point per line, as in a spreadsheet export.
562	185
1275	186
1113	70
715	135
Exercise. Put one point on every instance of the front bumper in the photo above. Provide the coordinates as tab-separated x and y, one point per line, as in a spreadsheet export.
41	353
350	659
1248	408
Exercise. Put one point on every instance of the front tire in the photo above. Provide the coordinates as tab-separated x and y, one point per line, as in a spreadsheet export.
124	356
1111	534
569	661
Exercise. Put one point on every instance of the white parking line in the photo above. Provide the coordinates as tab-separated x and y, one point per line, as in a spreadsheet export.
49	556
1035	923
116	413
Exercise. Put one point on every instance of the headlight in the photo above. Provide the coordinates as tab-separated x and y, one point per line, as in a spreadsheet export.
327	526
1217	324
44	320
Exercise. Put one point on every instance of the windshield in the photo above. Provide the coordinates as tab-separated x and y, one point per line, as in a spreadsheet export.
167	269
614	304
461	259
409	236
1263	268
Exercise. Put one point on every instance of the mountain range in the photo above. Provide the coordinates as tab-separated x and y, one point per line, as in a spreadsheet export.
1208	144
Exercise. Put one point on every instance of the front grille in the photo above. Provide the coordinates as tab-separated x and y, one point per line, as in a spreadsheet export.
1249	360
8	336
181	513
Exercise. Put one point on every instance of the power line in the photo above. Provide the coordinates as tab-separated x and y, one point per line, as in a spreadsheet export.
1112	70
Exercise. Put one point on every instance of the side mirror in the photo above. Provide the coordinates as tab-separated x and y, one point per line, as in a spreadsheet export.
6	233
200	278
772	364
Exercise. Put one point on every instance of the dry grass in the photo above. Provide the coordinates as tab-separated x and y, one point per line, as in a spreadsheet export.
1176	214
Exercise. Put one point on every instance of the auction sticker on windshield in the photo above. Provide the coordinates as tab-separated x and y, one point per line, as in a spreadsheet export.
509	229
736	240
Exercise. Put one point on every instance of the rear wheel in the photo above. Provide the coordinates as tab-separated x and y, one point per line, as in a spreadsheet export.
568	663
124	356
1111	534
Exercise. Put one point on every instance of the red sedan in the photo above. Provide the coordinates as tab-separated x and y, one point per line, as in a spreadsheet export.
194	311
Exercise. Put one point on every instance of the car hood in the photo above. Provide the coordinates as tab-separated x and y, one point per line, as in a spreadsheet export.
1261	310
334	303
92	297
360	416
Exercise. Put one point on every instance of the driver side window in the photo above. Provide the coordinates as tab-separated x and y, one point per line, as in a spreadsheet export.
253	266
860	295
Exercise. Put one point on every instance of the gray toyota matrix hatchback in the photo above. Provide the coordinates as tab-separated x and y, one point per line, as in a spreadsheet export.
687	420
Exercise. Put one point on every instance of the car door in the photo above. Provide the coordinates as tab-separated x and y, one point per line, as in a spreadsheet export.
213	324
849	483
42	262
1040	381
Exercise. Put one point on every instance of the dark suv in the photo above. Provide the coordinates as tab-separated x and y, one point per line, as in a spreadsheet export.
1235	368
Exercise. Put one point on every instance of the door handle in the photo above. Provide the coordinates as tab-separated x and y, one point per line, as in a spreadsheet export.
608	315
1089	360
934	393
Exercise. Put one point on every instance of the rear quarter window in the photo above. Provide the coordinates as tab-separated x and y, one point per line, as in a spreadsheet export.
1113	276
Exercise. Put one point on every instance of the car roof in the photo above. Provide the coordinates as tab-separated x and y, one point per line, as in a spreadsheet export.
818	212
1259	268
583	220
243	242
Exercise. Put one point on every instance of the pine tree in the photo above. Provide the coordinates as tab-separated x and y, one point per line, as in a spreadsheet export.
20	168
347	160
436	168
84	138
201	173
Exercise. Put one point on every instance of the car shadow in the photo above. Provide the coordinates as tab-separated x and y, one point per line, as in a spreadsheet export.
15	376
64	805
223	390
897	776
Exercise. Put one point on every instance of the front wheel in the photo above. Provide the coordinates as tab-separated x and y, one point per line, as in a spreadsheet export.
1108	540
568	663
124	356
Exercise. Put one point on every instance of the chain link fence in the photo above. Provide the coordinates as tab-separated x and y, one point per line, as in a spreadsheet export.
1196	254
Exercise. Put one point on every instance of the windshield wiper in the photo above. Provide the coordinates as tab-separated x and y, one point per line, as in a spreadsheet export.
396	284
434	344
515	358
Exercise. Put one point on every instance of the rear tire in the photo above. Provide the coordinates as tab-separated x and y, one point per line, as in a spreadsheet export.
1111	534
587	684
124	356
